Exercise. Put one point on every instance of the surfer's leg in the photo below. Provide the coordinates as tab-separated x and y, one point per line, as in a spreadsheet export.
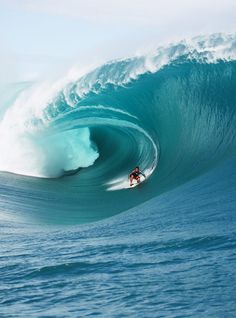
138	179
131	180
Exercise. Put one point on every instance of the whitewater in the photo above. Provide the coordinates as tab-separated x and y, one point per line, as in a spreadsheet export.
75	241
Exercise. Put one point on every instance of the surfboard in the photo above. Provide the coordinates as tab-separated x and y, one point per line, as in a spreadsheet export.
135	183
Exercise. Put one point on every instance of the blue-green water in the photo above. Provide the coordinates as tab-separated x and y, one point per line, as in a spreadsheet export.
163	249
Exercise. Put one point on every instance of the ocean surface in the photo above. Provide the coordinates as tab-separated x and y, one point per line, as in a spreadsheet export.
75	240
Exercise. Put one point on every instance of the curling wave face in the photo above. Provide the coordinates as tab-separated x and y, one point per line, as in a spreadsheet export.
171	112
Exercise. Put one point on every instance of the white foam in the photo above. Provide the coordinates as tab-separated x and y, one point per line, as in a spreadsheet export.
207	49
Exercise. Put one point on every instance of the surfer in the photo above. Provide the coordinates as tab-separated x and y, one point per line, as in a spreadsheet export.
135	174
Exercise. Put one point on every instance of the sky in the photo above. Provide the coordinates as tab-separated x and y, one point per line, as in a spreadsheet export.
39	37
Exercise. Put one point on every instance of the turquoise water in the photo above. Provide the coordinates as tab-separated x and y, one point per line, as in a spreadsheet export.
75	241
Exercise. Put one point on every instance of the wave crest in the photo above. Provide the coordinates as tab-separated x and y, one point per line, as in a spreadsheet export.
141	107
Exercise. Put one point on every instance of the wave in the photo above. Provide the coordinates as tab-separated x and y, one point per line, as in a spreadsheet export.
172	112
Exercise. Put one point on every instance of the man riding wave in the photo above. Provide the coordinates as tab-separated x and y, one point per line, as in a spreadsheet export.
135	174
